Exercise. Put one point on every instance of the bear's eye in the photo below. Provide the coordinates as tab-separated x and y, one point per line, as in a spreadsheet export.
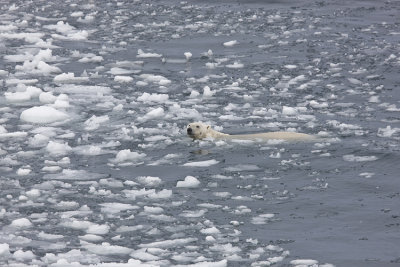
197	126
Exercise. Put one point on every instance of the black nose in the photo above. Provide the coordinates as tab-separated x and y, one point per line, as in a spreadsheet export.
189	130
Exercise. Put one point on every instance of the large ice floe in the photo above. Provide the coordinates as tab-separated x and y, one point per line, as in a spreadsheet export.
96	168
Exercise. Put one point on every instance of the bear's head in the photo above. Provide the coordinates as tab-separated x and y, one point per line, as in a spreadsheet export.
197	130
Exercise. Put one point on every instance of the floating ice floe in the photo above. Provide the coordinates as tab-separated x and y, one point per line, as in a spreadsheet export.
189	182
205	163
235	65
353	158
128	157
388	131
123	79
153	114
43	114
69	78
157	79
142	54
27	94
230	43
188	55
74	175
21	223
94	122
58	149
157	98
149	181
207	92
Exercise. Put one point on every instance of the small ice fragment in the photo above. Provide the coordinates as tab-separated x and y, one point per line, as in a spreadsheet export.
207	92
21	223
23	171
123	79
188	55
289	111
205	163
58	149
210	231
189	182
304	262
142	54
47	98
387	132
149	181
230	43
353	158
21	255
159	98
4	251
43	114
128	155
235	65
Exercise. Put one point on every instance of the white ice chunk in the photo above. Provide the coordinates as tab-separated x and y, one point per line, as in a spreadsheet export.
97	229
304	262
107	249
187	55
169	243
69	78
58	149
126	155
38	140
289	111
45	236
157	79
163	194
290	67
21	96
83	89
43	114
153	114
94	122
158	98
142	54
123	79
21	255
235	65
115	207
21	223
353	158
33	193
189	182
205	163
262	218
23	171
222	263
207	92
4	250
149	181
47	98
388	131
210	231
74	175
230	43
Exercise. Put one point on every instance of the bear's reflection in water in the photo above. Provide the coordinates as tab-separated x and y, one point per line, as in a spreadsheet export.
201	152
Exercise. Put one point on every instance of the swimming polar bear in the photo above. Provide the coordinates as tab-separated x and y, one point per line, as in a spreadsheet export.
199	130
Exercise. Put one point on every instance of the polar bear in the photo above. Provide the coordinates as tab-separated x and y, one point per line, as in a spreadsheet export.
199	130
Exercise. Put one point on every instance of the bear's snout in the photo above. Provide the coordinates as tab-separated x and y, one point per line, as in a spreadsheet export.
189	130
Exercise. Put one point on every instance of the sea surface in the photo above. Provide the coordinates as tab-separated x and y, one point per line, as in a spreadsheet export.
96	168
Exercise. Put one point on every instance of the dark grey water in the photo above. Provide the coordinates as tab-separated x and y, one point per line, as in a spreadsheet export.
95	99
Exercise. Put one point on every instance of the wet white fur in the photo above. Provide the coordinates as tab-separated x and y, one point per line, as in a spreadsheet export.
201	131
